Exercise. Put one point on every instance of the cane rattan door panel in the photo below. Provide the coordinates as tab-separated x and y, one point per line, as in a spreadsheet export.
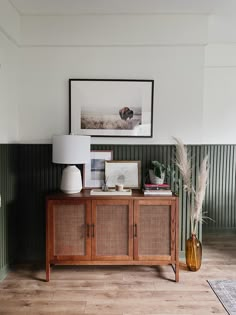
154	231
112	224
71	231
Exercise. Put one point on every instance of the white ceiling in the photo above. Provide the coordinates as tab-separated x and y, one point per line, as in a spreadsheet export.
75	7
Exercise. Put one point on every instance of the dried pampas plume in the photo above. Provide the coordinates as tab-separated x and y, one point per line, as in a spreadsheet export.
183	162
200	192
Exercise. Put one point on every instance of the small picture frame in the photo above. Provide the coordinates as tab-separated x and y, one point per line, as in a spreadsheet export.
94	172
126	173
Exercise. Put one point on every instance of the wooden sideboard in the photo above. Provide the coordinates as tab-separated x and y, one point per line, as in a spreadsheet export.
111	230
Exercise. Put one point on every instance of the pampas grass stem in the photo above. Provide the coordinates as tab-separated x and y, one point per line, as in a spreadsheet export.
183	162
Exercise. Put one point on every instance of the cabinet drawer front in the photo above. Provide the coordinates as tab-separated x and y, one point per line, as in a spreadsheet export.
69	230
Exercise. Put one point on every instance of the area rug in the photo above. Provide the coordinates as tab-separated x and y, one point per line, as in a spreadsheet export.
225	290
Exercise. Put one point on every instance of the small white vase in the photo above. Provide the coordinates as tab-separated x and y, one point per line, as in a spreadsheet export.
156	180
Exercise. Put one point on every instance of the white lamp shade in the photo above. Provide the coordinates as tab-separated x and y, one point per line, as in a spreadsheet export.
71	149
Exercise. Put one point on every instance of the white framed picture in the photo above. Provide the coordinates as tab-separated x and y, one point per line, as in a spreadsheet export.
94	172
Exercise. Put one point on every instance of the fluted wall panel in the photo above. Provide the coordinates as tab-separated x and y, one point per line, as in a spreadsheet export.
221	191
36	176
8	192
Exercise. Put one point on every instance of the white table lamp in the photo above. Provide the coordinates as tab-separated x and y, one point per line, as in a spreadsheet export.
71	149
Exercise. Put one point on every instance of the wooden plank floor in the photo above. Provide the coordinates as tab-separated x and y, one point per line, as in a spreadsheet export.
121	290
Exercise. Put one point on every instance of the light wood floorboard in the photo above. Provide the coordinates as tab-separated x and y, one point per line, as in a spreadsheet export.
121	290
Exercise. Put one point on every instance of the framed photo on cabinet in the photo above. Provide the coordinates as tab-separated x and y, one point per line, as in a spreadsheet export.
94	172
125	173
111	108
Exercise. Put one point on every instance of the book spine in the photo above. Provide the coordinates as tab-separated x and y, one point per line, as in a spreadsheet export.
156	193
156	187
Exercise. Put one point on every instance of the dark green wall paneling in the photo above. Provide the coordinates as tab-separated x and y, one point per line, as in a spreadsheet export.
36	176
8	184
221	191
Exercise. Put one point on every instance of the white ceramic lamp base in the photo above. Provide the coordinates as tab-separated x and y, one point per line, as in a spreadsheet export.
71	182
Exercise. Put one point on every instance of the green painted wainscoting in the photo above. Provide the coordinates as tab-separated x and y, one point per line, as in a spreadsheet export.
36	176
8	191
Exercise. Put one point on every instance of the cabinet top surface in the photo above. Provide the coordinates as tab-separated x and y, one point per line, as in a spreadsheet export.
85	194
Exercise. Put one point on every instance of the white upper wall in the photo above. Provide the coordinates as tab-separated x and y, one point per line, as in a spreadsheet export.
9	71
77	7
9	21
220	79
113	30
222	28
177	73
190	56
166	48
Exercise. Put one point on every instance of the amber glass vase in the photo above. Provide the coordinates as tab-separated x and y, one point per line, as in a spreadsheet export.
193	253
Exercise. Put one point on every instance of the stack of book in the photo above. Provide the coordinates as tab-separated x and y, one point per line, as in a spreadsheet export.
157	190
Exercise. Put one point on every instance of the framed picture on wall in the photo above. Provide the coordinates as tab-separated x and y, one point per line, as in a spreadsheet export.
111	108
94	172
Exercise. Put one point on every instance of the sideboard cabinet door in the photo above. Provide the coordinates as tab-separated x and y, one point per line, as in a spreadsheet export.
154	230
112	227
69	230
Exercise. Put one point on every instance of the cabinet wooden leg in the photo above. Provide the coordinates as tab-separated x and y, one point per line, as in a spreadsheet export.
177	273
48	267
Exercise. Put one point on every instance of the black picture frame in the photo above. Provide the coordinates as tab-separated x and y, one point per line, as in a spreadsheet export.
111	107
